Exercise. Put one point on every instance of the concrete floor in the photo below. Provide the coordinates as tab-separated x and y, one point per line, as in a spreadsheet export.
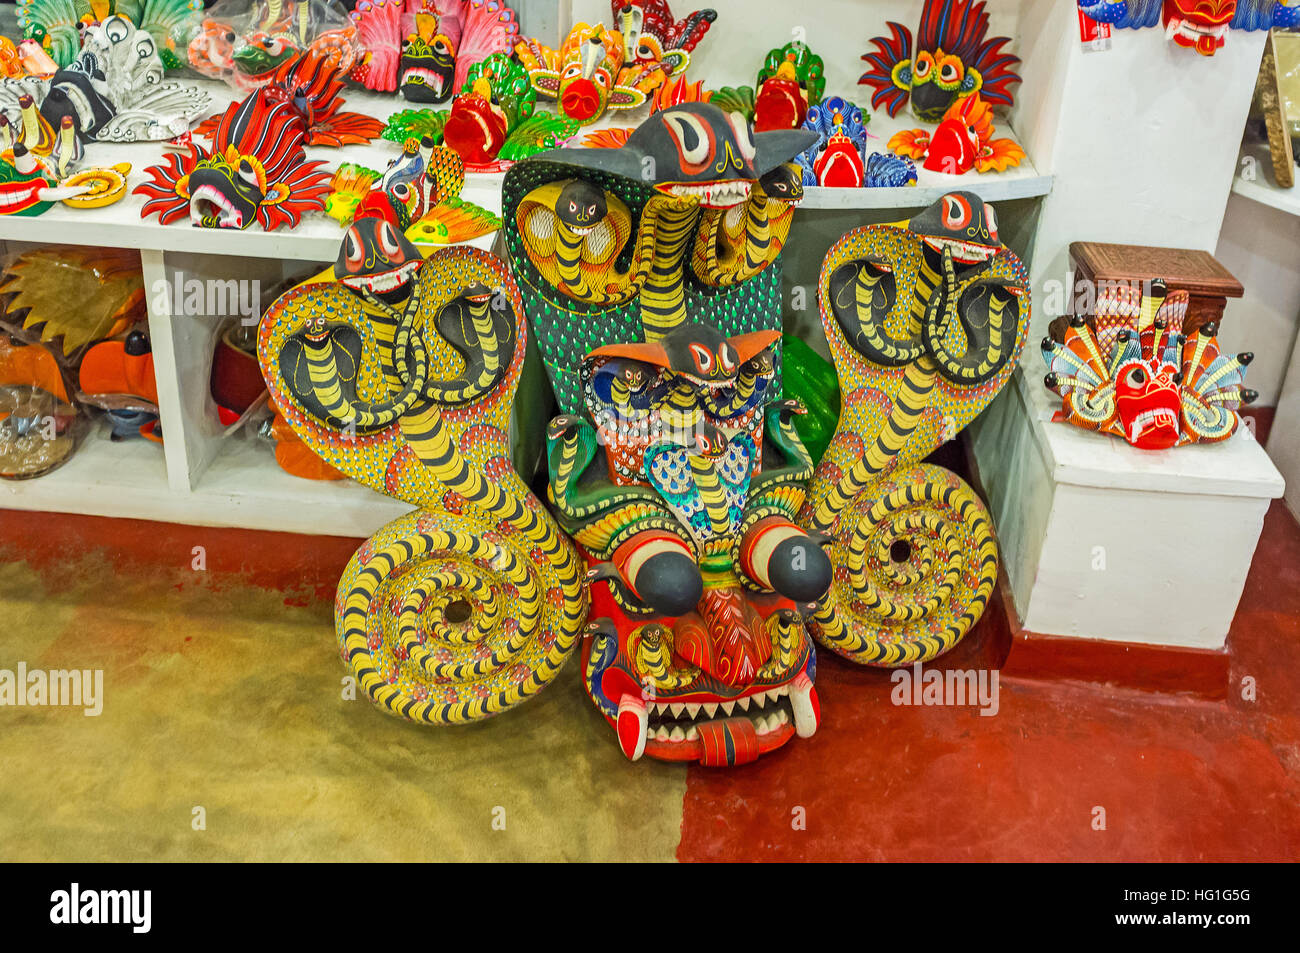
224	691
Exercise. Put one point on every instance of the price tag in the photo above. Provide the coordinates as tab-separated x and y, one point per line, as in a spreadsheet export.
1095	36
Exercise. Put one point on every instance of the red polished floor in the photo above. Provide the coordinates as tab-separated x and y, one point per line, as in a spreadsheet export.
1176	778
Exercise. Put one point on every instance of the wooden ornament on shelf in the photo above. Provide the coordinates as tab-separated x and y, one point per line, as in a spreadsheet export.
1209	285
1279	135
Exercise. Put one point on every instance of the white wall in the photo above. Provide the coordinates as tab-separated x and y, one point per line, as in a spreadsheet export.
1261	247
1143	139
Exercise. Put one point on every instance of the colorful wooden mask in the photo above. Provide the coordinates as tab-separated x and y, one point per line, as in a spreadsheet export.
244	44
952	57
925	320
256	171
652	38
418	194
37	167
1201	25
650	275
586	75
963	141
493	118
402	373
57	24
313	84
792	79
1132	372
426	47
113	91
837	158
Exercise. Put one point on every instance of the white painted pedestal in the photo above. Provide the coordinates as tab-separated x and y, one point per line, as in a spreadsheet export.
1104	541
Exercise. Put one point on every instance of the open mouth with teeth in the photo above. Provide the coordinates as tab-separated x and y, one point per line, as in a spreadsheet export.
720	193
384	282
1205	38
19	197
1149	422
211	208
718	732
963	253
727	732
422	76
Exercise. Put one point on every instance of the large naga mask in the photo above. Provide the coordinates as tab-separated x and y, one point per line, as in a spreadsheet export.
650	275
1129	370
925	320
113	91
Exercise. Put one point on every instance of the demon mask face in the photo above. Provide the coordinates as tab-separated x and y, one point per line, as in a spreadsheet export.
117	66
586	75
952	57
1201	25
428	68
376	259
698	653
256	171
1130	371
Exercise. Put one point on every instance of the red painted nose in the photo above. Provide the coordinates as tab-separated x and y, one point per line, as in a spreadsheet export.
581	99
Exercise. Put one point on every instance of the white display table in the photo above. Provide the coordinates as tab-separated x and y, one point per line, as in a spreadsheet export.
1104	541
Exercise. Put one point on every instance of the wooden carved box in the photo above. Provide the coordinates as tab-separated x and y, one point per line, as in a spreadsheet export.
1210	285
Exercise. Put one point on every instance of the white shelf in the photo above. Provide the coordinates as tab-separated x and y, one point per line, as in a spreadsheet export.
315	239
1024	181
1261	187
244	487
1237	466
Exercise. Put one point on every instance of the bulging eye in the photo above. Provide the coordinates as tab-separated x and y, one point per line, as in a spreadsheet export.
401	191
702	357
727	358
144	49
922	67
602	77
115	29
744	135
693	139
388	240
275	47
247	173
956	212
572	71
1135	377
353	251
441	47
